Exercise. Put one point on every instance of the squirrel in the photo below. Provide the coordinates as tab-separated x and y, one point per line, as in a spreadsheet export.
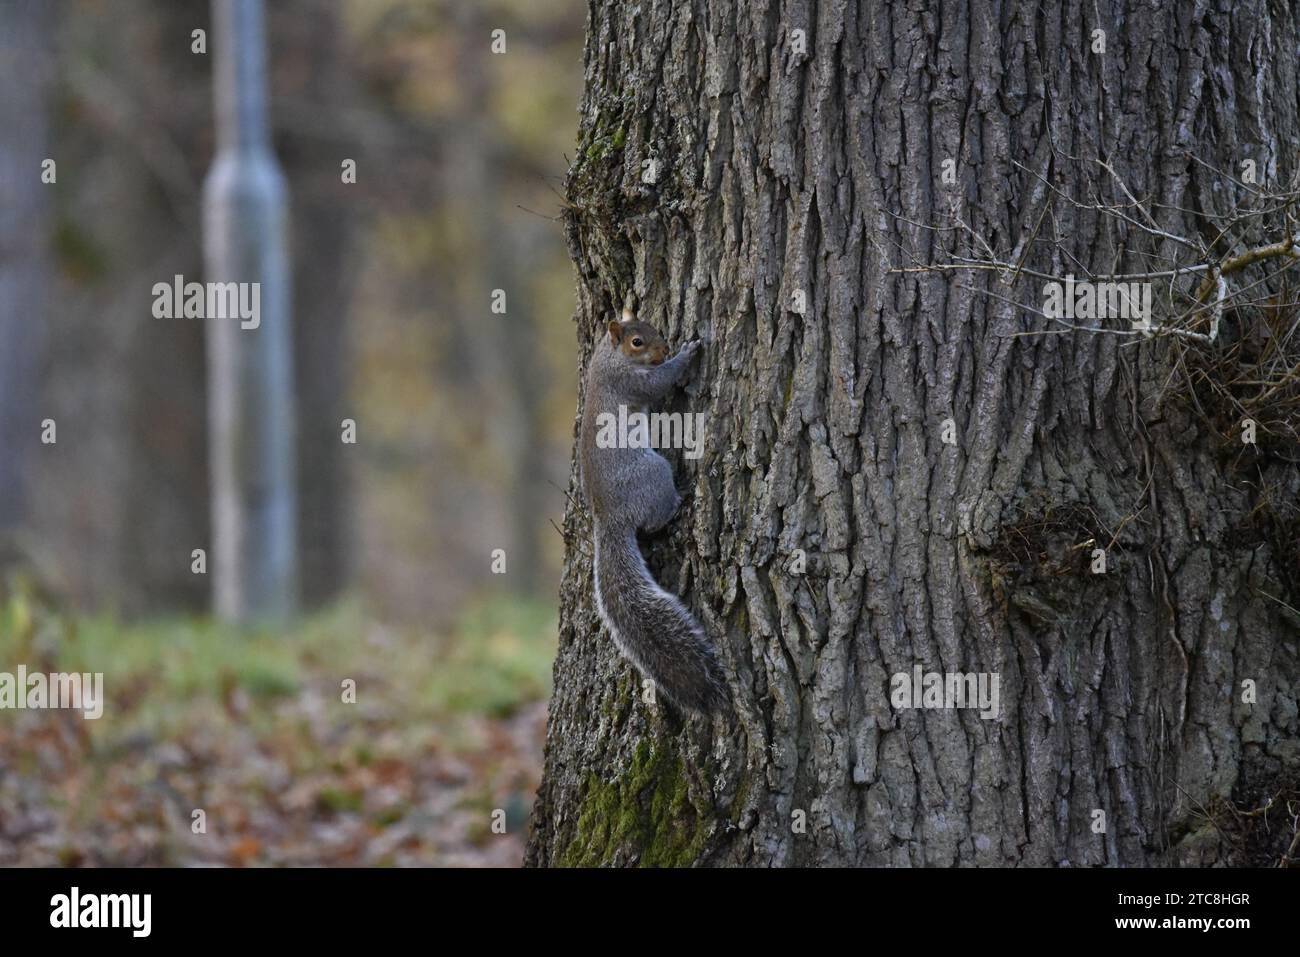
631	489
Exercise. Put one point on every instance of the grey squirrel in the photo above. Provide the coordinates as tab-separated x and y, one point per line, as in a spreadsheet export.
629	489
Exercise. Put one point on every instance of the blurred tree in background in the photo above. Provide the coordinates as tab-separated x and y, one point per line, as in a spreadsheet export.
24	253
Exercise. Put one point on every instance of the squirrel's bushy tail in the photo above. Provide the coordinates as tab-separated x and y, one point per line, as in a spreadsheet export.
652	627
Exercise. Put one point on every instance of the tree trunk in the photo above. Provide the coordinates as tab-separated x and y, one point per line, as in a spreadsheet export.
800	154
502	347
25	38
310	37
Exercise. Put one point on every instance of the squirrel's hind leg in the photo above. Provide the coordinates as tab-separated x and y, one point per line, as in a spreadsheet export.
661	498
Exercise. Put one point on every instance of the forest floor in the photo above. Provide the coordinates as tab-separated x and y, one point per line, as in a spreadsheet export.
441	749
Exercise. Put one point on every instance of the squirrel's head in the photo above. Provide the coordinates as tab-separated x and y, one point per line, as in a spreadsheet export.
638	341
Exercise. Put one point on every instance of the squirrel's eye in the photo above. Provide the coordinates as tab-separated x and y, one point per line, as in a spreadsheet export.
637	342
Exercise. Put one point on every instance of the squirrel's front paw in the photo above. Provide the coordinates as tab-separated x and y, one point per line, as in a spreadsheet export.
689	349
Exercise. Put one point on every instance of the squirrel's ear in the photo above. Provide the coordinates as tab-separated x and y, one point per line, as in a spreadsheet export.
627	315
615	332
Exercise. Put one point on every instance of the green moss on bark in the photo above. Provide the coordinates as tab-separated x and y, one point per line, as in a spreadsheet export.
607	136
645	812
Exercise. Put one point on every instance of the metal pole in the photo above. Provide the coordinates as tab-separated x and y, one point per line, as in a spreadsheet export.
250	368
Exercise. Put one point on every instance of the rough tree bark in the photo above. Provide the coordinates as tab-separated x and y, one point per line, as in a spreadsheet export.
780	171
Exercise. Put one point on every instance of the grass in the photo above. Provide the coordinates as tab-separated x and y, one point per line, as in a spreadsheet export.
497	659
